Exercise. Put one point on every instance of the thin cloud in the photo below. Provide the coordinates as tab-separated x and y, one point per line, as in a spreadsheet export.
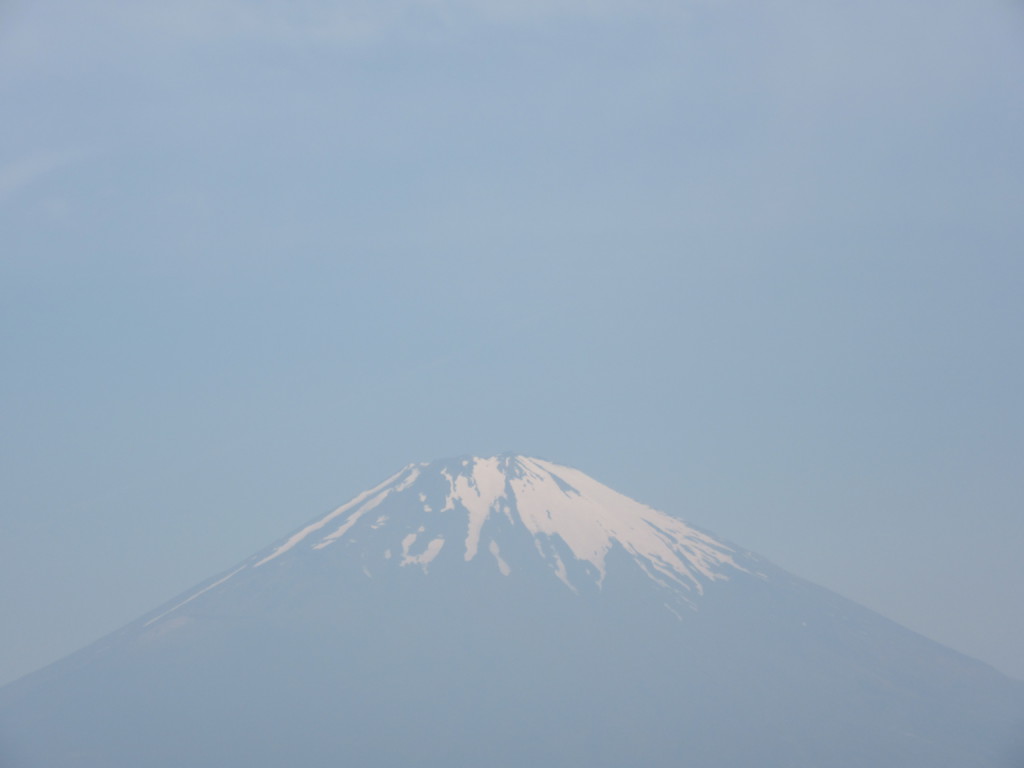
18	176
353	21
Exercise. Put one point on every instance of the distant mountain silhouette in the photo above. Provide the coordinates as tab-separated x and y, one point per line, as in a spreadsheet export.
508	611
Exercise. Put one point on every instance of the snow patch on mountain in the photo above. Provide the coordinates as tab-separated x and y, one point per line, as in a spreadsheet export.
352	520
477	492
316	526
194	595
426	556
502	565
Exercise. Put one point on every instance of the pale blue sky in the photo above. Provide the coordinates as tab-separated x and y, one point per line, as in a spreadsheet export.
759	264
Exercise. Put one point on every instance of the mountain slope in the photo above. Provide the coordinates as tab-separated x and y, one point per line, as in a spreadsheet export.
506	611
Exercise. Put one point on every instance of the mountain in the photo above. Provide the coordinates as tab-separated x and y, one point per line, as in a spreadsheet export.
508	611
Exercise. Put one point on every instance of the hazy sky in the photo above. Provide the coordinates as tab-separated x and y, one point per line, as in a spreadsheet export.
759	264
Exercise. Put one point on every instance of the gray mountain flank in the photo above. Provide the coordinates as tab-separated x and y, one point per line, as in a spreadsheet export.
508	611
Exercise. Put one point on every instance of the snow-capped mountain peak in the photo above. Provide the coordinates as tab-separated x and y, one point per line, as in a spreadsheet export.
571	518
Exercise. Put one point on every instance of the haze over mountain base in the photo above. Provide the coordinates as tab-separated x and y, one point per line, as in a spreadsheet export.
510	612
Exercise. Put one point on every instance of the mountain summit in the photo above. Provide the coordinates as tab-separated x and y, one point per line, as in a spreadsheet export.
506	611
464	509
